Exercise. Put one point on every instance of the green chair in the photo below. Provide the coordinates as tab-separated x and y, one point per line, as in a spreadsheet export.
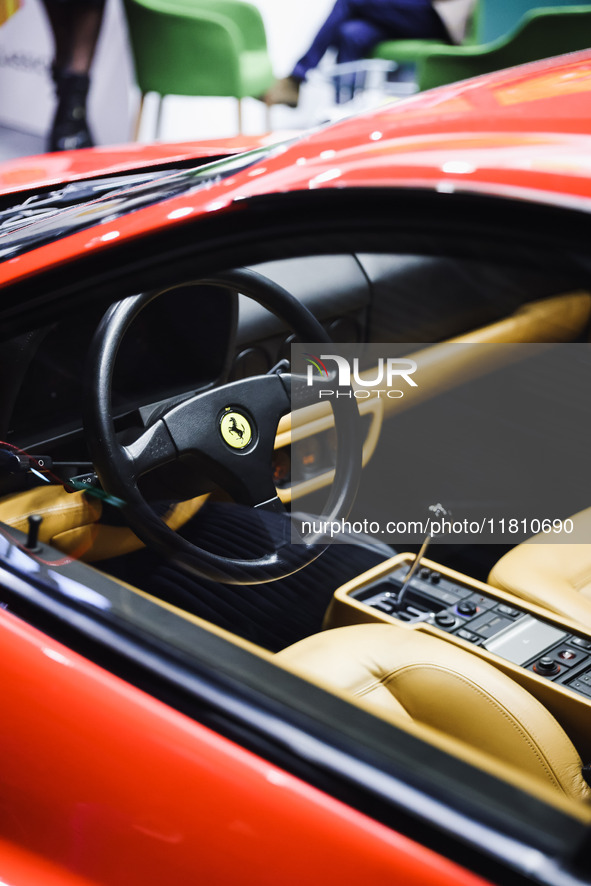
198	48
540	34
405	52
491	21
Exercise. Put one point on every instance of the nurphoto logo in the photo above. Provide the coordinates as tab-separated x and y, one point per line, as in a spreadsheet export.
361	385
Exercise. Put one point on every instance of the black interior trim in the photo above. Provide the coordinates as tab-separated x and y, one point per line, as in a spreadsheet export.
265	228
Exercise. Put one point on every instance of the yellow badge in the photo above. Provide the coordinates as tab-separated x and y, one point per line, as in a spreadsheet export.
235	430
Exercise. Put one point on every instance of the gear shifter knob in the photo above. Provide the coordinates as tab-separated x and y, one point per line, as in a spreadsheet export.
438	512
435	514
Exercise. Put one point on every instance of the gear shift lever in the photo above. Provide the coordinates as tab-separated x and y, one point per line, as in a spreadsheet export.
435	512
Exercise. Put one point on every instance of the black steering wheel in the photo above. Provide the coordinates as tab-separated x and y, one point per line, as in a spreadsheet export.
232	427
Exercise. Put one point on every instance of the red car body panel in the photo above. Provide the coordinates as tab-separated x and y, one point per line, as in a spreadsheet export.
129	790
45	170
522	133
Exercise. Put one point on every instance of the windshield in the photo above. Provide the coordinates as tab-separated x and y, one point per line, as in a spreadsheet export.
46	217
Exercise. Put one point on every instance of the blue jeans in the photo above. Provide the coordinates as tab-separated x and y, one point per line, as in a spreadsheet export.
354	27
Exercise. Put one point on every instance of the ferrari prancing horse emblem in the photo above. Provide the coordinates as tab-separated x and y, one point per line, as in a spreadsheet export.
235	430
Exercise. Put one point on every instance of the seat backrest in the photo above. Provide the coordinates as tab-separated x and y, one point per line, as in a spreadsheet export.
403	674
556	575
541	33
198	47
496	18
244	16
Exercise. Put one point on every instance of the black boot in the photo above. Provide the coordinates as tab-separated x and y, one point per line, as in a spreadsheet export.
70	128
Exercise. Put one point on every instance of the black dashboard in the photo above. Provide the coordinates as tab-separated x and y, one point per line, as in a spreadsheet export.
193	353
195	336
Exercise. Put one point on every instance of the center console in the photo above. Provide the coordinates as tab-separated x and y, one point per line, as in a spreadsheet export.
544	652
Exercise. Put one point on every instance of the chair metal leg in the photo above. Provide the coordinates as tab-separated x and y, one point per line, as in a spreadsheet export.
138	119
268	118
159	116
239	116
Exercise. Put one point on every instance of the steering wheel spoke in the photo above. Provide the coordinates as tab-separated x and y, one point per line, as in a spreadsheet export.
153	448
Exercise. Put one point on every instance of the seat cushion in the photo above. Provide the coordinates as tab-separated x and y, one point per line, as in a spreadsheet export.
555	575
400	674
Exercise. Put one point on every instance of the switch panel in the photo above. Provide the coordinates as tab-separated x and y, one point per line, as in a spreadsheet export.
505	630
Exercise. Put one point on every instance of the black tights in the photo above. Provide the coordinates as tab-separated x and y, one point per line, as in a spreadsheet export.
76	26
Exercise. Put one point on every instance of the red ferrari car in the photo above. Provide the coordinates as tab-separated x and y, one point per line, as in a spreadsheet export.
231	385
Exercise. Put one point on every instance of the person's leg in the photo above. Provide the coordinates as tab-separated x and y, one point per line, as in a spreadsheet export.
354	27
85	30
327	36
355	40
383	20
286	91
363	23
76	26
59	23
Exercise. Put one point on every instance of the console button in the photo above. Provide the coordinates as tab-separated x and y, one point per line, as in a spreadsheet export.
467	607
508	610
581	642
445	620
494	626
546	666
468	635
489	623
481	621
383	606
569	656
435	577
583	688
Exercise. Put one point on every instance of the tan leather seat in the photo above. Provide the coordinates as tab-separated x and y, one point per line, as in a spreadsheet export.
554	575
71	521
403	674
